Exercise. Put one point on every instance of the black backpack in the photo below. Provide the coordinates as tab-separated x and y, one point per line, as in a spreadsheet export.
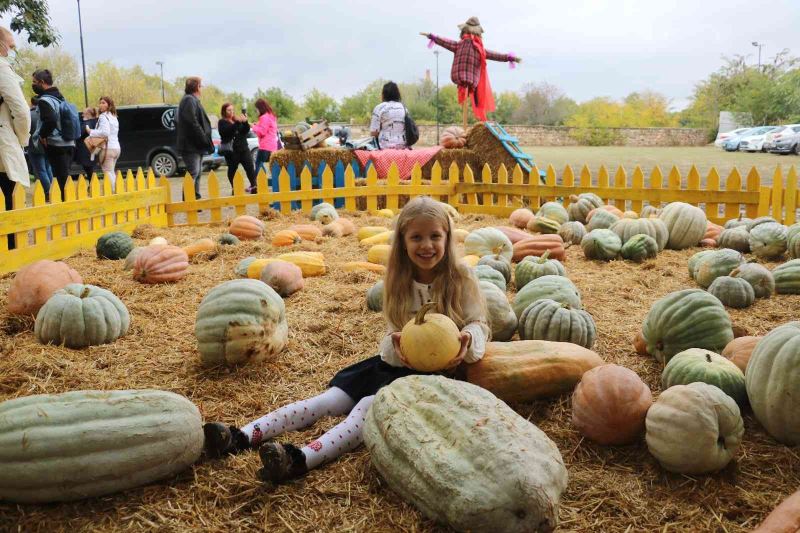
412	132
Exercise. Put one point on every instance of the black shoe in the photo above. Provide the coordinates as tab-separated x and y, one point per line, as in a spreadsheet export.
282	462
223	440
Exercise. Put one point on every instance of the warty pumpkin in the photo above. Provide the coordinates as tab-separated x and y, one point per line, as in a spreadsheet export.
740	349
609	405
430	341
284	277
538	245
161	264
286	237
34	284
246	227
83	444
523	371
201	246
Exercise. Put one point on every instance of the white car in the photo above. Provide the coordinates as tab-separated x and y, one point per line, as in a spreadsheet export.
754	140
722	137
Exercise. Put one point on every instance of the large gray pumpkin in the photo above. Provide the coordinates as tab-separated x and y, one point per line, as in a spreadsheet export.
685	223
572	232
498	263
793	246
239	321
733	292
768	240
601	244
82	444
639	247
758	221
787	277
547	320
793	230
758	276
735	238
654	227
717	263
696	259
533	267
556	288
601	219
375	297
79	315
581	205
502	320
740	222
463	457
487	273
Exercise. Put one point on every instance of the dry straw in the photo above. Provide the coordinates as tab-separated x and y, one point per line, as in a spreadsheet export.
610	489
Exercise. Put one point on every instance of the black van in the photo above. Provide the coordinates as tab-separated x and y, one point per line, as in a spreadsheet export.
148	138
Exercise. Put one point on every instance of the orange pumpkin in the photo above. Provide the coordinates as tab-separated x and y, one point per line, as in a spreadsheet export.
348	228
286	278
355	266
712	232
161	263
520	217
339	228
199	247
610	208
740	349
609	405
539	244
639	344
708	243
307	232
286	237
785	518
246	227
514	234
35	284
453	137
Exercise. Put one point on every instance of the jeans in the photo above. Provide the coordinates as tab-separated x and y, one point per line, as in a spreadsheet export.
42	171
7	186
262	158
60	158
243	157
194	166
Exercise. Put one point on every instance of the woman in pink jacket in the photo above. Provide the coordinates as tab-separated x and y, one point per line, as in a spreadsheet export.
267	131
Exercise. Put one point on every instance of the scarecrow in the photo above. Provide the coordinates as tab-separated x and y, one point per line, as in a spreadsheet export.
469	67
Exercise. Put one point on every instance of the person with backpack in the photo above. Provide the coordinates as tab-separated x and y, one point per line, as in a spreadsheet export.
391	124
39	163
60	125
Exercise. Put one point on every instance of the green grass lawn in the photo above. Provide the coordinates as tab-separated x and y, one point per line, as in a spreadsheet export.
683	157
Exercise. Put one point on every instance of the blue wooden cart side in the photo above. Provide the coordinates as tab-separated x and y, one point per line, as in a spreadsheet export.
316	180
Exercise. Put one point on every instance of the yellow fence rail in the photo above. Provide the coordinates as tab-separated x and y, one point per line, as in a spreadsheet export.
58	229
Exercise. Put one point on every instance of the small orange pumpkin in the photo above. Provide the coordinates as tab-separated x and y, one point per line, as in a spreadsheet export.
712	232
453	137
286	237
609	405
246	227
286	278
199	247
740	349
520	217
161	263
35	284
539	244
307	232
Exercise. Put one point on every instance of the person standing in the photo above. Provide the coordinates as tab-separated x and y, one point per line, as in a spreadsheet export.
194	131
82	155
59	150
267	131
108	129
233	132
15	125
388	124
39	163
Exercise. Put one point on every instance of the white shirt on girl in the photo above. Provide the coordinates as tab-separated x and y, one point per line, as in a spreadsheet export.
474	317
107	128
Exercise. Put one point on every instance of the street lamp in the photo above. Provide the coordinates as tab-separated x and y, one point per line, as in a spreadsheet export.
83	59
759	46
161	64
436	53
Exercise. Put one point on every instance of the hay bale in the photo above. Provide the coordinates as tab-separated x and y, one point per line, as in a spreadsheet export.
489	150
314	156
446	156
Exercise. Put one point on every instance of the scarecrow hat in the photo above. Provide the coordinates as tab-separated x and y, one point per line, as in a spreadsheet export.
472	25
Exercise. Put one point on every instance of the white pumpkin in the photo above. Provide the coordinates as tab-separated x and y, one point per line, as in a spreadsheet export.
488	241
502	320
686	225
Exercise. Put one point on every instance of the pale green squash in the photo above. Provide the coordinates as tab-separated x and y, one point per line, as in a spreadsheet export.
556	288
572	232
685	223
580	206
543	225
601	244
736	239
758	221
488	241
787	277
548	320
553	211
740	222
733	292
793	230
626	228
639	247
717	263
696	364
533	267
375	297
601	219
487	273
695	260
502	320
793	246
498	263
758	276
768	240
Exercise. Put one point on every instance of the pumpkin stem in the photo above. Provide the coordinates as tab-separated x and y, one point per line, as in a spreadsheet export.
420	318
708	358
543	258
573	198
85	292
497	249
734	273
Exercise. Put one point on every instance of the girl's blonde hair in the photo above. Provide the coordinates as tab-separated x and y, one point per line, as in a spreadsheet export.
453	280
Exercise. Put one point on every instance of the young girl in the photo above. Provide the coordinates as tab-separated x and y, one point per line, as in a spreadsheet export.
423	267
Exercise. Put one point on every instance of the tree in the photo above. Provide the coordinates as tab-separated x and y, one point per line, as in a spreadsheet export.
358	107
282	103
31	16
61	64
543	104
506	105
319	105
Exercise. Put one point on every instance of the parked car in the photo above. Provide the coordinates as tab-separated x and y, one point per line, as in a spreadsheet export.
722	137
785	141
215	160
753	141
731	144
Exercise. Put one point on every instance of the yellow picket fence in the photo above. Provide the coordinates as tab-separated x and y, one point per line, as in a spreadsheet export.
58	229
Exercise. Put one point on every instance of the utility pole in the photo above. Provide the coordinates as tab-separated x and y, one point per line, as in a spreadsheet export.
83	58
436	53
161	64
759	46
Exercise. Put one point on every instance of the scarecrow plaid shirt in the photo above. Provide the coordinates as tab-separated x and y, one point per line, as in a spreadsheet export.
466	69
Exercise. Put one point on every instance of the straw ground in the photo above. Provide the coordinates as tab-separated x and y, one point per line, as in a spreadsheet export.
610	489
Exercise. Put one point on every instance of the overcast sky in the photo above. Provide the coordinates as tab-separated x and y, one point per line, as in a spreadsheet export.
587	48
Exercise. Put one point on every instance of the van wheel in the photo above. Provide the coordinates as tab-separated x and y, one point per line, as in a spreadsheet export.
164	164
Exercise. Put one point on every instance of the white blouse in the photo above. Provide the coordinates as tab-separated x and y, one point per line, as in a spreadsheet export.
389	120
107	127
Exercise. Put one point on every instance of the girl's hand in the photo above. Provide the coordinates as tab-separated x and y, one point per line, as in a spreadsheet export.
398	351
466	338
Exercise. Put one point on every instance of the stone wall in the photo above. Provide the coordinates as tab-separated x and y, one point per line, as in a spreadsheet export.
563	136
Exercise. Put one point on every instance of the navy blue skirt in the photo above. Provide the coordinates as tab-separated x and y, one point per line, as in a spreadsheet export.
366	377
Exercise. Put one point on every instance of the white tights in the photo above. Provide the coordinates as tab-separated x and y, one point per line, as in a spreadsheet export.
342	438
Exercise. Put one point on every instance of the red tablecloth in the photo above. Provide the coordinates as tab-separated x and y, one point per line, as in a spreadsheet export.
405	159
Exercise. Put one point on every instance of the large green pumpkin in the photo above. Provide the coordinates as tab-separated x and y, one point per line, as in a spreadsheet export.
772	379
114	245
82	444
548	320
740	222
793	230
375	297
717	263
79	315
463	457
733	292
691	318
735	238
601	244
627	228
502	320
556	288
580	206
498	263
685	223
696	364
487	273
533	267
639	247
793	246
488	241
758	276
239	321
787	277
572	232
544	225
601	219
758	221
695	260
768	240
553	211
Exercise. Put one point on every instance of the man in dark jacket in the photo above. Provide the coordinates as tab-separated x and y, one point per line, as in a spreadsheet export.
59	151
194	131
